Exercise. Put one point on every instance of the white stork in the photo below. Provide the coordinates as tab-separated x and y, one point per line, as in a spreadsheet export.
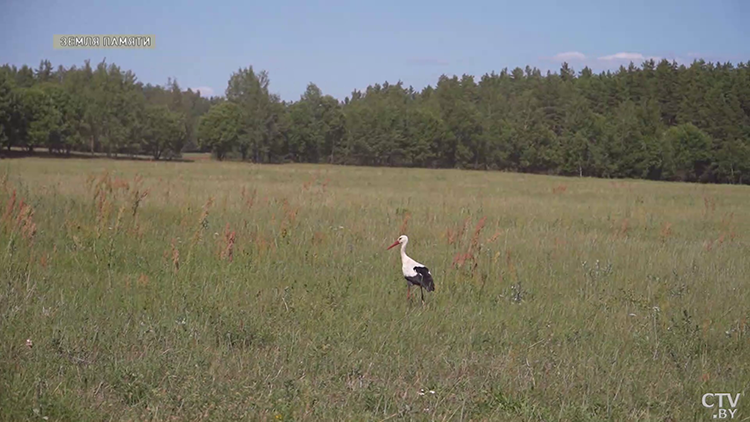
415	273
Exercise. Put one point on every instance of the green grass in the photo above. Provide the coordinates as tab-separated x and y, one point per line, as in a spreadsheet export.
579	300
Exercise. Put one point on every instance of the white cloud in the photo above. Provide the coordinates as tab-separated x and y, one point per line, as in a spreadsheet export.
569	56
623	56
206	91
634	57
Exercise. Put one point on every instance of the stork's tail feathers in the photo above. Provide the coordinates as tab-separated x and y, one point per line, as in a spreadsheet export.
429	283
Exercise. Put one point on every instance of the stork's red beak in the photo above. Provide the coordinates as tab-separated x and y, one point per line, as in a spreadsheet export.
394	244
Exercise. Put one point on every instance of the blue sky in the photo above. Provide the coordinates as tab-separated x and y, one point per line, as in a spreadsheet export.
345	45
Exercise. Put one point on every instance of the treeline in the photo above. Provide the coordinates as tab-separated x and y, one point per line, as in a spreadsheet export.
102	109
659	121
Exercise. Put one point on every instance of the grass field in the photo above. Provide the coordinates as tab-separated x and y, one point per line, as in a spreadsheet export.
226	291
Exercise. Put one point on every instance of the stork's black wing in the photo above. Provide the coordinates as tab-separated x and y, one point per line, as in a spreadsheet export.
425	278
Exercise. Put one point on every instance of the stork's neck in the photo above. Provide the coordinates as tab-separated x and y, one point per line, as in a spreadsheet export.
404	256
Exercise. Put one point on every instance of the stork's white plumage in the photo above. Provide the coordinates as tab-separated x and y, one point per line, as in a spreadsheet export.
415	273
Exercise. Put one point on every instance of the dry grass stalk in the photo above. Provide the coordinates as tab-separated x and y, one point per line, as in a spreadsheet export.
138	197
103	209
307	184
494	236
290	212
4	181
166	194
560	246
249	200
450	236
202	222
263	245
404	224
666	231
7	215
462	230
459	259
474	247
175	257
106	185
119	183
25	222
119	218
202	225
622	230
138	230
727	227
454	236
227	251
559	189
475	238
173	254
709	205
511	266
290	215
318	238
727	230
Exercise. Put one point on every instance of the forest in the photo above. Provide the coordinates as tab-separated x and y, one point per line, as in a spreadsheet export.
660	121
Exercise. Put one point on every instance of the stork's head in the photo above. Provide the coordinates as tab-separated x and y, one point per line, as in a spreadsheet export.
400	241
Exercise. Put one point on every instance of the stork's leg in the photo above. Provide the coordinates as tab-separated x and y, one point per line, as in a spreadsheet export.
408	291
422	292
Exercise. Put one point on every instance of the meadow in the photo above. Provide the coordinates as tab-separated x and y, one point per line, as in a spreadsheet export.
230	291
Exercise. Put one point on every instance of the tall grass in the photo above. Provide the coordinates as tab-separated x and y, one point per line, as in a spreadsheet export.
192	291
